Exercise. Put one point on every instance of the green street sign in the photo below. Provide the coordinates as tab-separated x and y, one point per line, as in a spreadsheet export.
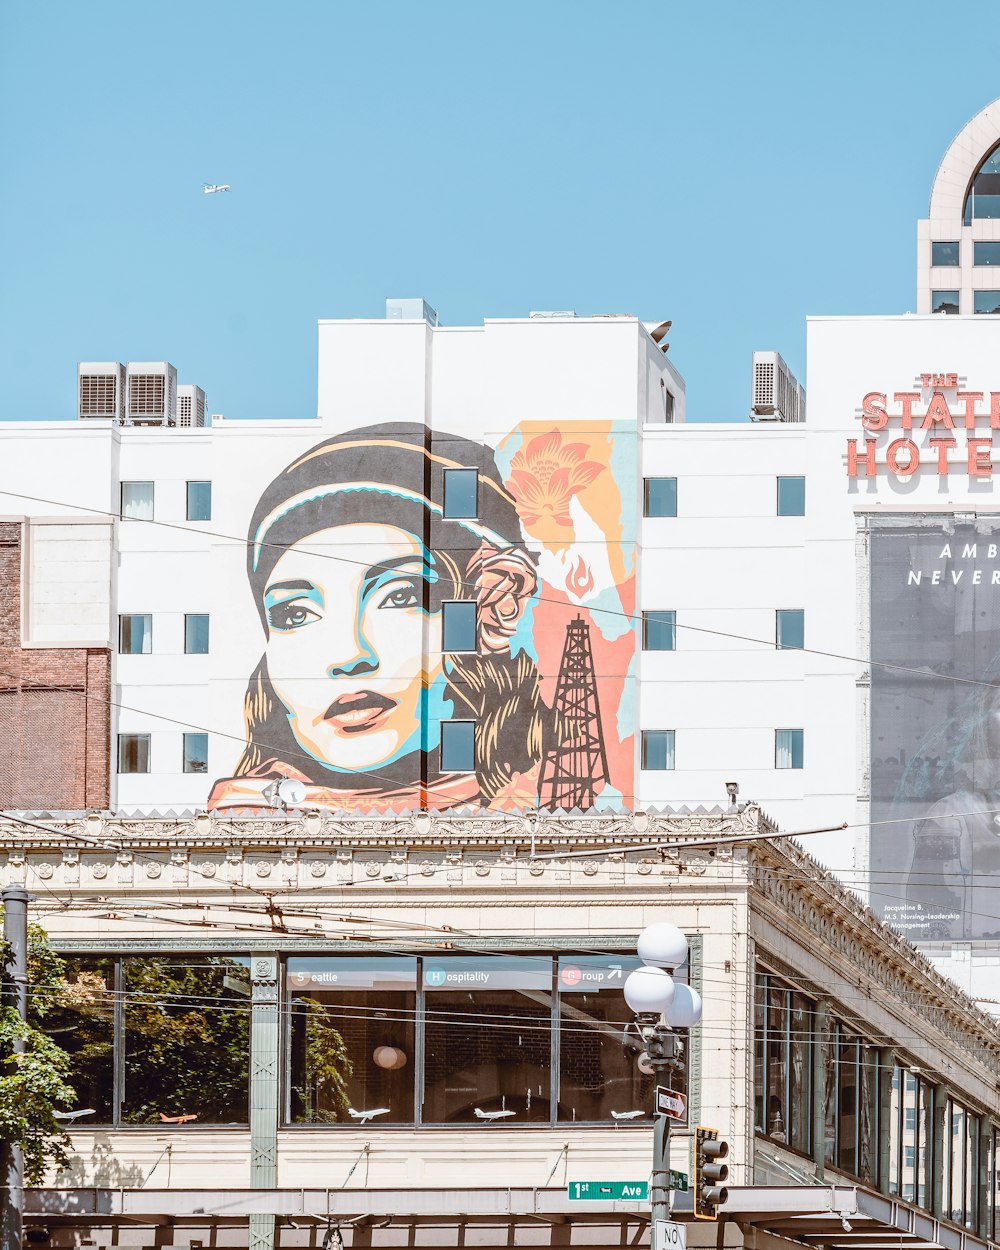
635	1191
679	1180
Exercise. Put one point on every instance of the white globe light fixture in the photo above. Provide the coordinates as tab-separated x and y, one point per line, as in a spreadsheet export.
685	1010
649	991
662	946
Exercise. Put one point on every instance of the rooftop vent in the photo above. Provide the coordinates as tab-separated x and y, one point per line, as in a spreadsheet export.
776	394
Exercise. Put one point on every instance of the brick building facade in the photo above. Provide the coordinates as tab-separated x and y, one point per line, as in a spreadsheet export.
54	707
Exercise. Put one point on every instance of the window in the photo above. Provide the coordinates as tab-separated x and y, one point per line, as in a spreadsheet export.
82	1021
658	631
135	634
137	501
598	1072
657	749
983	199
458	746
782	1063
791	496
961	1151
460	492
182	1055
986	253
944	302
196	753
790	629
487	1038
352	1038
196	634
986	301
944	254
660	496
458	625
788	748
199	501
133	753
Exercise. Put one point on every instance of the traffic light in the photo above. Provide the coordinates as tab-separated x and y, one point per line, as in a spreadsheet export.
710	1173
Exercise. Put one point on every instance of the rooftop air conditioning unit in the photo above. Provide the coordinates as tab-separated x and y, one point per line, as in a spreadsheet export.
776	394
100	389
152	393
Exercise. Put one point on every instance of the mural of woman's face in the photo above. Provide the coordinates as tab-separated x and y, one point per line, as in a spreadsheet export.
345	643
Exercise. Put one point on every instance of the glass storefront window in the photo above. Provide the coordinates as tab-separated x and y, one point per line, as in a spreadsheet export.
186	1039
488	1039
599	1044
81	1019
783	1063
352	1039
847	1105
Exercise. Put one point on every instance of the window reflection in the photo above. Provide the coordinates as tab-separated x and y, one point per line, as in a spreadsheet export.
599	1045
186	1039
983	198
352	1039
81	1019
487	1039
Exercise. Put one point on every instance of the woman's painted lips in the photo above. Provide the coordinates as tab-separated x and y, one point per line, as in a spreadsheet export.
354	713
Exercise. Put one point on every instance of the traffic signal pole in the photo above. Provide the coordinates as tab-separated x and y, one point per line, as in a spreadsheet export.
659	1185
15	994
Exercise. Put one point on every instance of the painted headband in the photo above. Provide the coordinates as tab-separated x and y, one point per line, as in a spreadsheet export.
481	532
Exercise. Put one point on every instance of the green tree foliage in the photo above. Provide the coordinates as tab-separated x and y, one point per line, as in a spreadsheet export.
328	1066
34	1082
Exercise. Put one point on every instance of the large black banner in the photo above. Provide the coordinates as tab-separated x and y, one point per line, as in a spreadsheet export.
935	725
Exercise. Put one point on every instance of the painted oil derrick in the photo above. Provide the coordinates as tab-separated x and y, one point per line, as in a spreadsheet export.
578	764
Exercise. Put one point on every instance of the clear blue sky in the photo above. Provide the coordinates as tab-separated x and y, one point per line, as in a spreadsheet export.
733	166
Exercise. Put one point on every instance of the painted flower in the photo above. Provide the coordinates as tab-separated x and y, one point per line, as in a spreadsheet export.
504	581
546	473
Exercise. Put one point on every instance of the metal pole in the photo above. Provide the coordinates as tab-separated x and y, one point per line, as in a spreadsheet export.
15	932
659	1188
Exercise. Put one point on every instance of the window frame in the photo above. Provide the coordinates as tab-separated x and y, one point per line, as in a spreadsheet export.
122	514
670	737
199	772
469	607
779	615
646	511
458	721
937	296
147	635
138	738
187	499
648	619
201	616
789	477
946	264
448	515
793	767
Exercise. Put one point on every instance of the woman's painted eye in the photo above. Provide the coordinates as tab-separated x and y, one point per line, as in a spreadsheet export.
404	596
286	616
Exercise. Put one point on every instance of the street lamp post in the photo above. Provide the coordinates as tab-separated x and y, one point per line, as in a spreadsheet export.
661	1005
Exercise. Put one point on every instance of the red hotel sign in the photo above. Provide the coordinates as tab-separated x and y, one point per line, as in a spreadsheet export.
949	422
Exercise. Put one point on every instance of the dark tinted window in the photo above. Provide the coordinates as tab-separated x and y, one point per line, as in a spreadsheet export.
658	631
135	634
660	496
196	753
790	629
944	302
196	634
983	199
460	492
458	625
986	253
986	301
791	496
458	746
944	253
657	749
199	501
133	753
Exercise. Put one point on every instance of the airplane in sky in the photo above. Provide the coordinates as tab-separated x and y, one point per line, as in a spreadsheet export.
626	1115
493	1115
211	188
177	1119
